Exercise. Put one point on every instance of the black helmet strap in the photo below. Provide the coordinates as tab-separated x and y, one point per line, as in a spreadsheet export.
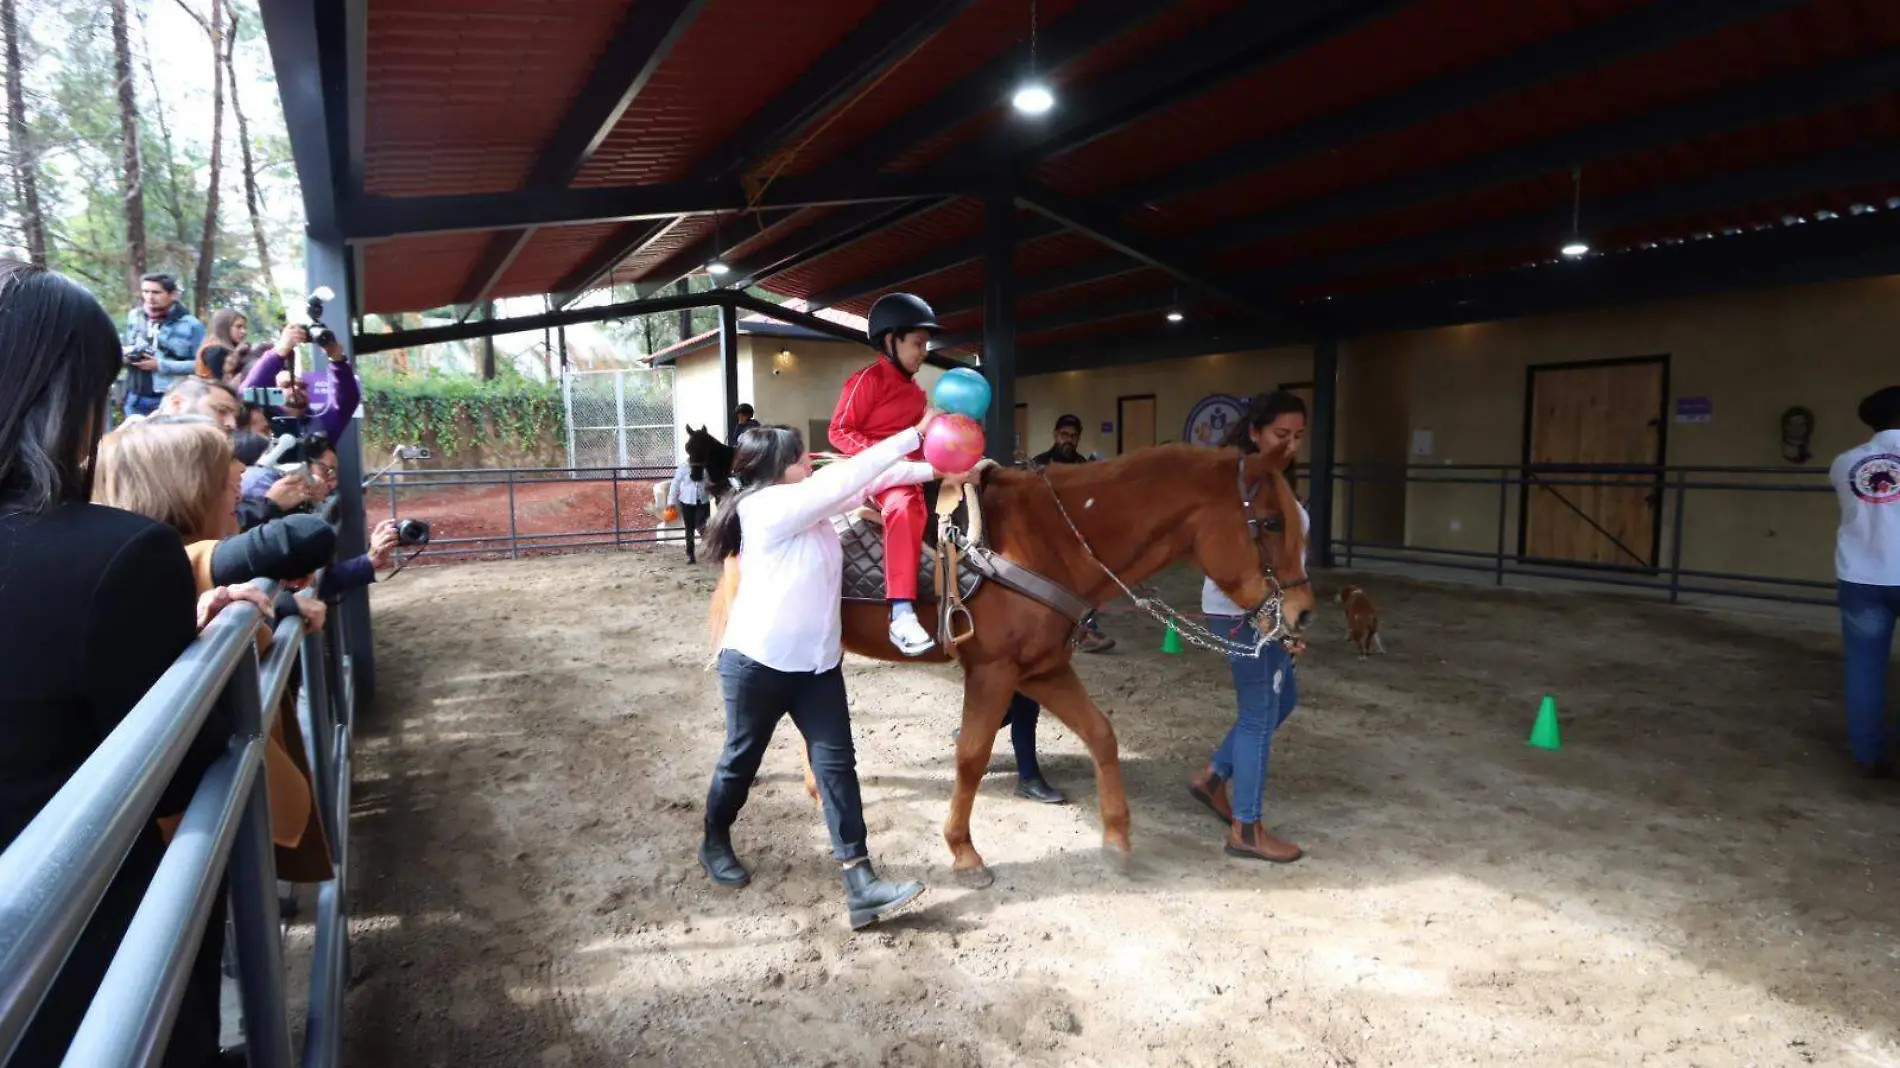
887	346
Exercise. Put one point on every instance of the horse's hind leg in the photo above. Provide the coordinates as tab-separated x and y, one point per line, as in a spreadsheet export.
1062	693
986	694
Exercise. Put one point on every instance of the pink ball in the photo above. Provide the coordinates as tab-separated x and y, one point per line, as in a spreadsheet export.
954	443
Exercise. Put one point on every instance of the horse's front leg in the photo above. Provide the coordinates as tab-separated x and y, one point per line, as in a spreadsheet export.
1062	693
986	693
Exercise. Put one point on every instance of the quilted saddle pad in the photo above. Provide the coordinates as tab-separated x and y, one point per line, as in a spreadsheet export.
863	544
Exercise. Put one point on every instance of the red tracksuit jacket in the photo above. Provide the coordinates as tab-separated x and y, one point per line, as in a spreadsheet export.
876	403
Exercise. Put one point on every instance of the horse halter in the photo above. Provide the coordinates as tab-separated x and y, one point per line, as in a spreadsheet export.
1269	617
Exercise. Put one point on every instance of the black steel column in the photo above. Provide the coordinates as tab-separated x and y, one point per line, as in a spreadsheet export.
999	320
1319	435
729	366
326	262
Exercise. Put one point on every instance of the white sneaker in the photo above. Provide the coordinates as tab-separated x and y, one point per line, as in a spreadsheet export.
910	637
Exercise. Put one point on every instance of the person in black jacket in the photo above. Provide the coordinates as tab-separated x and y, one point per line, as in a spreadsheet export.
95	604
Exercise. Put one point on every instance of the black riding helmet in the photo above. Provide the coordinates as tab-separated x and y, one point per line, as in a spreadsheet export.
897	313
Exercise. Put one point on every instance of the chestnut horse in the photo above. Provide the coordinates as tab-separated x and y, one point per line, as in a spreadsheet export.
1224	512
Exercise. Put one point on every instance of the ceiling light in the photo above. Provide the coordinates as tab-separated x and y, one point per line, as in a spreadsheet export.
1175	317
1033	98
1575	249
718	268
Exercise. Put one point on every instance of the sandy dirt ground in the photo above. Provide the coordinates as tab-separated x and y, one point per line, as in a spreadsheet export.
1695	879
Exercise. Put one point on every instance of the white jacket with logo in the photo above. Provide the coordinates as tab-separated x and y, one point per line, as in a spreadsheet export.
1867	481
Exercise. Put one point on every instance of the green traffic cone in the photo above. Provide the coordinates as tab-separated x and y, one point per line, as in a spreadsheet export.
1171	641
1544	734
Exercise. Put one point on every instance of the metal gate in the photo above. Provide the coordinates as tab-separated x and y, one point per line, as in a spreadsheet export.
621	419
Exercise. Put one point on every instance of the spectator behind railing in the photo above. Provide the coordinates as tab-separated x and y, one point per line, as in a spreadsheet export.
274	369
95	604
223	356
321	460
184	475
203	396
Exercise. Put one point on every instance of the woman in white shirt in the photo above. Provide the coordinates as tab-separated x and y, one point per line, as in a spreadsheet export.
781	652
690	494
1867	565
1234	784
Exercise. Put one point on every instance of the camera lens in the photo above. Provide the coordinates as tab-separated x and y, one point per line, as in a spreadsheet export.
412	532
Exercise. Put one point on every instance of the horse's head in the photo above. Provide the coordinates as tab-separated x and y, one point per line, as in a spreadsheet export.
1252	544
714	456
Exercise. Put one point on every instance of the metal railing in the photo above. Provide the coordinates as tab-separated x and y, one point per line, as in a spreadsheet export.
631	524
59	868
1671	487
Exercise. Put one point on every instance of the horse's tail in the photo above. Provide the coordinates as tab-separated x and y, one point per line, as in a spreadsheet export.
721	607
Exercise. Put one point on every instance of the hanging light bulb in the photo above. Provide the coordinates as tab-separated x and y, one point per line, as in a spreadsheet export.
1175	316
718	267
1576	247
1033	96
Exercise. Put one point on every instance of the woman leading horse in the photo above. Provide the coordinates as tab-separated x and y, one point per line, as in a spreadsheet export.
1097	530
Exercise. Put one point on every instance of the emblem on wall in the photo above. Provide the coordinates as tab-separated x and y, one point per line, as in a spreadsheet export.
1210	418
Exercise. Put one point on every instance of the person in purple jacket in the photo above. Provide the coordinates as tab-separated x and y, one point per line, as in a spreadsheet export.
271	370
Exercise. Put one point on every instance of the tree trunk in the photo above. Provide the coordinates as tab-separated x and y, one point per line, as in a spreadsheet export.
174	204
250	171
488	345
132	184
208	247
25	163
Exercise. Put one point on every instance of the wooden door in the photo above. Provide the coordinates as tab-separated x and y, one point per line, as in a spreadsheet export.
1021	451
1608	414
1134	423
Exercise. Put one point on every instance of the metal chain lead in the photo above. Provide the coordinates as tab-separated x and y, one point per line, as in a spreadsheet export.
1187	628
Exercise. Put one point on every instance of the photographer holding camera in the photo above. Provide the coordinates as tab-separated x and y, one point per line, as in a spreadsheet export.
159	344
292	412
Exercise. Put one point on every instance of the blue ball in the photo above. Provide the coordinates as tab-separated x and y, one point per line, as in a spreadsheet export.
962	391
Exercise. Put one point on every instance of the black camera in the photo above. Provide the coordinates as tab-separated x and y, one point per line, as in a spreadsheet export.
136	353
412	532
320	335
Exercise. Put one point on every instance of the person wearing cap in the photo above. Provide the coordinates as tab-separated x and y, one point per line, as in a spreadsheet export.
1064	451
878	402
1866	480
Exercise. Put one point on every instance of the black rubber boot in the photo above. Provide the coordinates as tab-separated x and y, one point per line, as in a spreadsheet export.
1036	788
721	863
870	898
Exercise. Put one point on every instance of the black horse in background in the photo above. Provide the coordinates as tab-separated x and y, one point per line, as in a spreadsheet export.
714	456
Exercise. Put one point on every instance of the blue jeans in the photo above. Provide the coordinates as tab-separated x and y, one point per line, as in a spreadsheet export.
136	404
757	697
1265	690
1021	721
1867	623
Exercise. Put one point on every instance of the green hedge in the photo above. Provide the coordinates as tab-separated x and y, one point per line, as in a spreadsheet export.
455	414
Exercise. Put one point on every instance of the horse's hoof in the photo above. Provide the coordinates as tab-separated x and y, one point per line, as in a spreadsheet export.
977	878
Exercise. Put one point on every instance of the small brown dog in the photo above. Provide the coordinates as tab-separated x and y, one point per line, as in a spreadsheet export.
1362	620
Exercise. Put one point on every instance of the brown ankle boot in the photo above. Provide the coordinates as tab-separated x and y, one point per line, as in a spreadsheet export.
1210	790
1251	840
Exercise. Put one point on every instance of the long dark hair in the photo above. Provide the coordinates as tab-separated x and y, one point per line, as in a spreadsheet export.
763	455
59	354
1262	410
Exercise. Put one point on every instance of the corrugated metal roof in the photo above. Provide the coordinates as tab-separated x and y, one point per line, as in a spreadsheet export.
462	98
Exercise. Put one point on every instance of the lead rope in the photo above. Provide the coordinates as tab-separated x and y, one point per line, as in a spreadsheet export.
1155	606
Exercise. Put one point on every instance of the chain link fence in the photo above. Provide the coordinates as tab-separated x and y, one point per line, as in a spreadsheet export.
620	419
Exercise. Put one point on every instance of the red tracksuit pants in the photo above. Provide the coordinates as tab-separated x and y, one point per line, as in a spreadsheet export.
904	514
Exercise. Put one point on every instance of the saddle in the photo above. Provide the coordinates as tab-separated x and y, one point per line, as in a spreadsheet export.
957	539
861	535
